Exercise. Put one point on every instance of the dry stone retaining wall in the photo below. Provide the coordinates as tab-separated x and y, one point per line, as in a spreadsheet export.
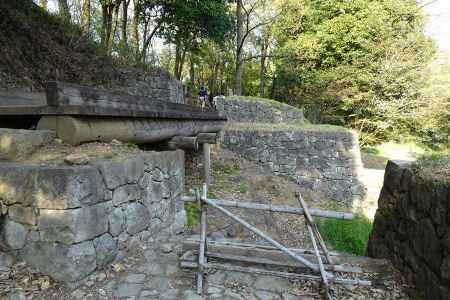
245	109
67	221
411	229
156	84
325	159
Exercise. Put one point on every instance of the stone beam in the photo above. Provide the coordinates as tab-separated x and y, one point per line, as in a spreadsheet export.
76	130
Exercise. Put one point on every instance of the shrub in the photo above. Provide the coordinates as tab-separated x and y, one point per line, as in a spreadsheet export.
349	236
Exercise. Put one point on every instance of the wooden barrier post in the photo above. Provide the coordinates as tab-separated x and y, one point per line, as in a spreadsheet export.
202	248
207	163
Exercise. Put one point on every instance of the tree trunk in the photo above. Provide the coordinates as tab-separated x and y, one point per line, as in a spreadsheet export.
125	22
43	4
86	16
213	82
135	28
64	11
272	90
107	10
116	20
262	70
180	67
177	59
192	73
239	37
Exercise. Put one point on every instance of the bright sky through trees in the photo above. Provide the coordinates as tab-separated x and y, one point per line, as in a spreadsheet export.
438	25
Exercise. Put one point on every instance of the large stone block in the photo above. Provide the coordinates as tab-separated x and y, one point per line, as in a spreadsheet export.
14	234
74	225
21	214
137	217
16	144
16	183
106	249
68	263
117	173
126	193
68	187
116	221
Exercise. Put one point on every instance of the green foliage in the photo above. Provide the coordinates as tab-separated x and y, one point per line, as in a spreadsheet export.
358	63
189	21
350	236
192	213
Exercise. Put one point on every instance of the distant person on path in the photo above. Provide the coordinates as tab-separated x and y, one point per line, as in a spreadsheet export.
202	96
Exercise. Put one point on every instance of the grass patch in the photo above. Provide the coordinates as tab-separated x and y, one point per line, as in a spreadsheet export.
350	236
192	213
243	189
212	195
226	169
371	150
266	101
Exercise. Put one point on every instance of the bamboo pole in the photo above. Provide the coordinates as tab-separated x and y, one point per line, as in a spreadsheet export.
310	220
207	163
251	270
263	235
202	245
277	208
323	273
274	262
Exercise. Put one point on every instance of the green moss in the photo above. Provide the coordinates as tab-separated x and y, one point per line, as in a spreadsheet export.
349	236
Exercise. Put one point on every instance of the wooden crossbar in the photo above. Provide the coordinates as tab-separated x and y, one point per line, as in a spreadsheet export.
276	208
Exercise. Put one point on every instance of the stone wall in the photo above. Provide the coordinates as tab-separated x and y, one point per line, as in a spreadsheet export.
67	221
249	109
325	159
411	229
156	84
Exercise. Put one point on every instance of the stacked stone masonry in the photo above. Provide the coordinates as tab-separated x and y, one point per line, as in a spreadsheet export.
411	229
68	221
156	84
326	161
241	109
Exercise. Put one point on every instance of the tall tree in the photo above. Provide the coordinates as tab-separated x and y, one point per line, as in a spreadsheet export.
250	16
239	46
135	25
86	16
357	63
125	5
110	9
264	41
185	23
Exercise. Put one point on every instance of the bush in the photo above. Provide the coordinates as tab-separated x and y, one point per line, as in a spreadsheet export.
349	236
